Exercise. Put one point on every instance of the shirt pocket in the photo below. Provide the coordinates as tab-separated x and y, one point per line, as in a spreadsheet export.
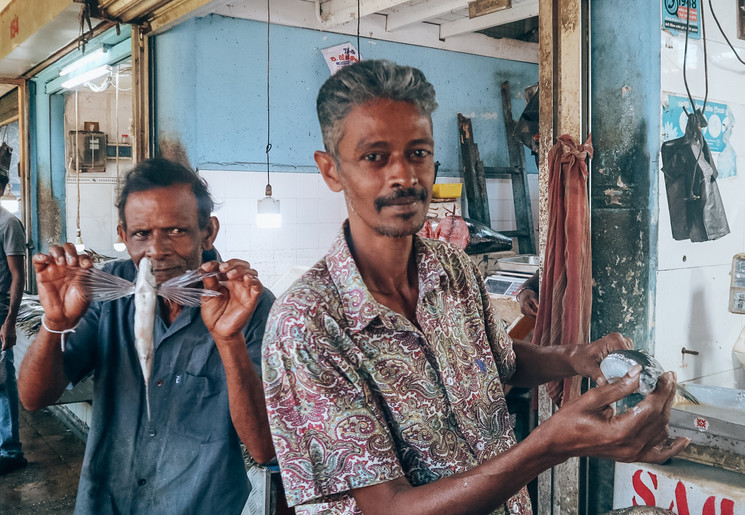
202	411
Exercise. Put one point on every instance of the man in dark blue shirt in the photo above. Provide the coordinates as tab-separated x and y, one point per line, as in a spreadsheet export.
204	392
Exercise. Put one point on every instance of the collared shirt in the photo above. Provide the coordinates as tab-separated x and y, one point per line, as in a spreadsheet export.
186	458
358	395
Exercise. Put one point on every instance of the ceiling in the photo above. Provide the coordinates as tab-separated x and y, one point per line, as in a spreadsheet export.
509	33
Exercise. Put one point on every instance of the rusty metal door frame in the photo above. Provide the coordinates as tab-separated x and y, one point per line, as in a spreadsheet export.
564	56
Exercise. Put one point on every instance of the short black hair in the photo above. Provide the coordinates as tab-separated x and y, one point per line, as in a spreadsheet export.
160	173
4	180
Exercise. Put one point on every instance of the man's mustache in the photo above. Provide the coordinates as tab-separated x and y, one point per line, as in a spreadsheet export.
413	194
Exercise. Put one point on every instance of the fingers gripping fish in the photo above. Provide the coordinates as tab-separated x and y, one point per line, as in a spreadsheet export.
618	362
102	286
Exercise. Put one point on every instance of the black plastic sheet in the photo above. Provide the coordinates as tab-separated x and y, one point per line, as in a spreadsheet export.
693	198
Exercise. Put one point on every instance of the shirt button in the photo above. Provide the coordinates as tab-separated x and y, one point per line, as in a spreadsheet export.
159	382
142	482
152	432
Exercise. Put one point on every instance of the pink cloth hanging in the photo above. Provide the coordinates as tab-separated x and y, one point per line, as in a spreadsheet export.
566	287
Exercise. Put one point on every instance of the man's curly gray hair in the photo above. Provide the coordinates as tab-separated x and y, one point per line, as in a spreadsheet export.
363	82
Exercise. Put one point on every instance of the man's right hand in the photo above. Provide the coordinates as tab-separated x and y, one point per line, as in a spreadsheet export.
588	426
60	291
528	300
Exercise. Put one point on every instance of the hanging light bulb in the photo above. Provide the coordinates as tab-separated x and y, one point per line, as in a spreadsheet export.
268	215
79	245
118	243
9	201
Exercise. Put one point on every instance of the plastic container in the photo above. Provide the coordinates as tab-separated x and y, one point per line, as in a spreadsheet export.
447	190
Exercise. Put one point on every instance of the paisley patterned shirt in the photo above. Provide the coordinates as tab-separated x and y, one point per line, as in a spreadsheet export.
358	395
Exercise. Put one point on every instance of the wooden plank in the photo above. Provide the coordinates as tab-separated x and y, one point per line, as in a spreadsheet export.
562	80
520	187
473	173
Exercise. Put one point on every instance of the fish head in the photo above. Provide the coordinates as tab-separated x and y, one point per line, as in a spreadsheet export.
145	277
618	363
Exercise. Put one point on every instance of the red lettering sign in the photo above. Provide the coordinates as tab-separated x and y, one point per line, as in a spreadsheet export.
14	27
681	499
647	496
645	485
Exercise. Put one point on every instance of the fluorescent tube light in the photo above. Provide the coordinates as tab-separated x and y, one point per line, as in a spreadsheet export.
87	76
82	62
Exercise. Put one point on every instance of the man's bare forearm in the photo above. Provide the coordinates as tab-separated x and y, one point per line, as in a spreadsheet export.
41	379
538	365
480	490
246	397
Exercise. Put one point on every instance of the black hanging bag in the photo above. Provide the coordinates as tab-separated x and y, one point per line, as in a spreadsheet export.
693	198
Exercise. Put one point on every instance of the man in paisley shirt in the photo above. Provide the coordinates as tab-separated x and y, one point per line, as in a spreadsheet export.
384	366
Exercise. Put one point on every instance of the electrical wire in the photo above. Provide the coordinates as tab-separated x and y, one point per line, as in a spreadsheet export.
77	161
685	58
268	111
713	14
695	114
358	28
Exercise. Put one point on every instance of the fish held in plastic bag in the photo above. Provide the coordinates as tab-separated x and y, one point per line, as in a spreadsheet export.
618	363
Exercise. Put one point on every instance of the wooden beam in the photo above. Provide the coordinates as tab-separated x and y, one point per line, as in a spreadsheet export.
521	11
473	173
422	12
337	12
562	82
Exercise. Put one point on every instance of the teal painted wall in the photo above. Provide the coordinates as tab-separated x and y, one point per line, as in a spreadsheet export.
210	94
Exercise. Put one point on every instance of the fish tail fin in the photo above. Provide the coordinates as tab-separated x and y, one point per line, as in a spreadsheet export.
682	392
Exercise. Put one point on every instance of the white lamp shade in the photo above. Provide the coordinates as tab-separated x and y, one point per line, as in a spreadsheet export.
268	215
79	245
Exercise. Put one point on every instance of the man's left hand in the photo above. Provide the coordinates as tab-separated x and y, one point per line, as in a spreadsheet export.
8	336
226	315
586	360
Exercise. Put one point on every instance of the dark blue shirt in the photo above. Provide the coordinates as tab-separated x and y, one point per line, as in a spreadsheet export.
187	457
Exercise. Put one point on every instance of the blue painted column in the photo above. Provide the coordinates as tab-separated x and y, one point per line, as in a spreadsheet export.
47	168
625	107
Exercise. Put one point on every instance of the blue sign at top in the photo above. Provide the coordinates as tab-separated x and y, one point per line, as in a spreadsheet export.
675	12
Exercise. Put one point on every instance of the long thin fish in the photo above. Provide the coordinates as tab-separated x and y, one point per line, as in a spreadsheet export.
102	286
145	297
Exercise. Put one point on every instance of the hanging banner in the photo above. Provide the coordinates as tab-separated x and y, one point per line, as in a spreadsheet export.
674	14
339	56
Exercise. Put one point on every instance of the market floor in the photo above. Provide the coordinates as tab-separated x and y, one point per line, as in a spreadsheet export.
50	481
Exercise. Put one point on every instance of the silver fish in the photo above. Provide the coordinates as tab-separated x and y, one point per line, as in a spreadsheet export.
102	286
618	362
145	297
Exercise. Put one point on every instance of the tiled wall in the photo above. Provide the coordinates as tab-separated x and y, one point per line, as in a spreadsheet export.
311	217
98	216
